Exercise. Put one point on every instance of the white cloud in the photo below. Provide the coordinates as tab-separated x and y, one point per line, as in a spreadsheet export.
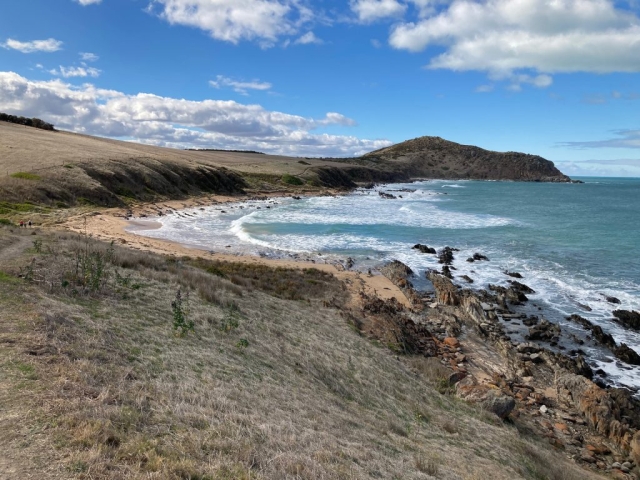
68	72
176	122
545	36
236	20
308	39
49	45
601	168
625	139
239	86
89	57
371	10
88	2
484	88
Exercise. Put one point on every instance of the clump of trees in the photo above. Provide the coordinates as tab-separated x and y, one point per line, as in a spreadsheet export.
29	122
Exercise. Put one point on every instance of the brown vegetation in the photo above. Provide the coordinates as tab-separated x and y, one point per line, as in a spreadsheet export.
96	384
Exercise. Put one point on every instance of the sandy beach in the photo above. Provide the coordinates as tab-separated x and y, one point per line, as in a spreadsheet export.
113	225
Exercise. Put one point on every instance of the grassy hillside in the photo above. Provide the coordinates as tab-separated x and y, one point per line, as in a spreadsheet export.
272	382
62	169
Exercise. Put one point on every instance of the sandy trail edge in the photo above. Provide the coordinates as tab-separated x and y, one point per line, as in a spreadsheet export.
110	224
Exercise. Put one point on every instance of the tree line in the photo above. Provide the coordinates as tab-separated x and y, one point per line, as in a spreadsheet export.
29	122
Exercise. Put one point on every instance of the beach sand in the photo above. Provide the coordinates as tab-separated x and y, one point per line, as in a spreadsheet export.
112	224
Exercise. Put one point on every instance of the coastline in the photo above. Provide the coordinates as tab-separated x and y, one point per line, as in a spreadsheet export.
113	225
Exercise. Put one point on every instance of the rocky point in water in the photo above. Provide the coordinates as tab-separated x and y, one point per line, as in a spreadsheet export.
628	319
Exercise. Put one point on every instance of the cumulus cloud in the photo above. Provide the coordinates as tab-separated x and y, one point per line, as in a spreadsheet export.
88	2
49	45
624	139
371	10
544	36
69	72
308	39
176	122
89	57
239	86
236	20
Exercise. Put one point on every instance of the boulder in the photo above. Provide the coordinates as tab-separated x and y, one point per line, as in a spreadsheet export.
613	300
627	354
544	331
446	256
479	257
467	278
521	287
491	399
628	319
424	249
511	294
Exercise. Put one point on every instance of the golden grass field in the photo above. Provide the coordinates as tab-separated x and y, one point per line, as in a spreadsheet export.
273	381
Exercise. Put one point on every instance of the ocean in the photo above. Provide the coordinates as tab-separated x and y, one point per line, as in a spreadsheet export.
574	244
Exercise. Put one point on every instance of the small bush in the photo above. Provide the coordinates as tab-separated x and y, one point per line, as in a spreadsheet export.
6	222
291	180
181	322
26	176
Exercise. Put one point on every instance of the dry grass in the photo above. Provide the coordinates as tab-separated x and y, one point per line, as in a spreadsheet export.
98	385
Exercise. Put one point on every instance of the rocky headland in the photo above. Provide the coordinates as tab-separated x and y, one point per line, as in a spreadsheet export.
539	379
435	157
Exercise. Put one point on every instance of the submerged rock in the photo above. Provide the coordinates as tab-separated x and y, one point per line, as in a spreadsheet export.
513	274
424	248
446	256
613	300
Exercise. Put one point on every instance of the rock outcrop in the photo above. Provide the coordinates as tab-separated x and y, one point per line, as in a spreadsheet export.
628	319
446	291
434	157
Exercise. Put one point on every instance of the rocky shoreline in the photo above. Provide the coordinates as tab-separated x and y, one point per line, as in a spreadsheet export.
536	382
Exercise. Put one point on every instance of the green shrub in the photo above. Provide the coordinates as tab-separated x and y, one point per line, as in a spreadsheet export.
291	180
26	176
180	306
6	222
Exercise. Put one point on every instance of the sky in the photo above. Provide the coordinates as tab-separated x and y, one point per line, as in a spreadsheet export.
557	78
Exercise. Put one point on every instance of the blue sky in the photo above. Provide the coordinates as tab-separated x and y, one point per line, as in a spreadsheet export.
558	78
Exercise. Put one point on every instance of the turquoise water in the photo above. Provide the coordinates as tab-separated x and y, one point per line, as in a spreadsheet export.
573	243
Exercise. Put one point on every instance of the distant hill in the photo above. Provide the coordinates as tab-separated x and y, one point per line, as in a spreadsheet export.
434	157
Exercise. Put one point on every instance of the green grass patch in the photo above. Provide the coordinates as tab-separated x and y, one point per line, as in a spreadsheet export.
26	176
6	278
291	180
8	208
6	222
